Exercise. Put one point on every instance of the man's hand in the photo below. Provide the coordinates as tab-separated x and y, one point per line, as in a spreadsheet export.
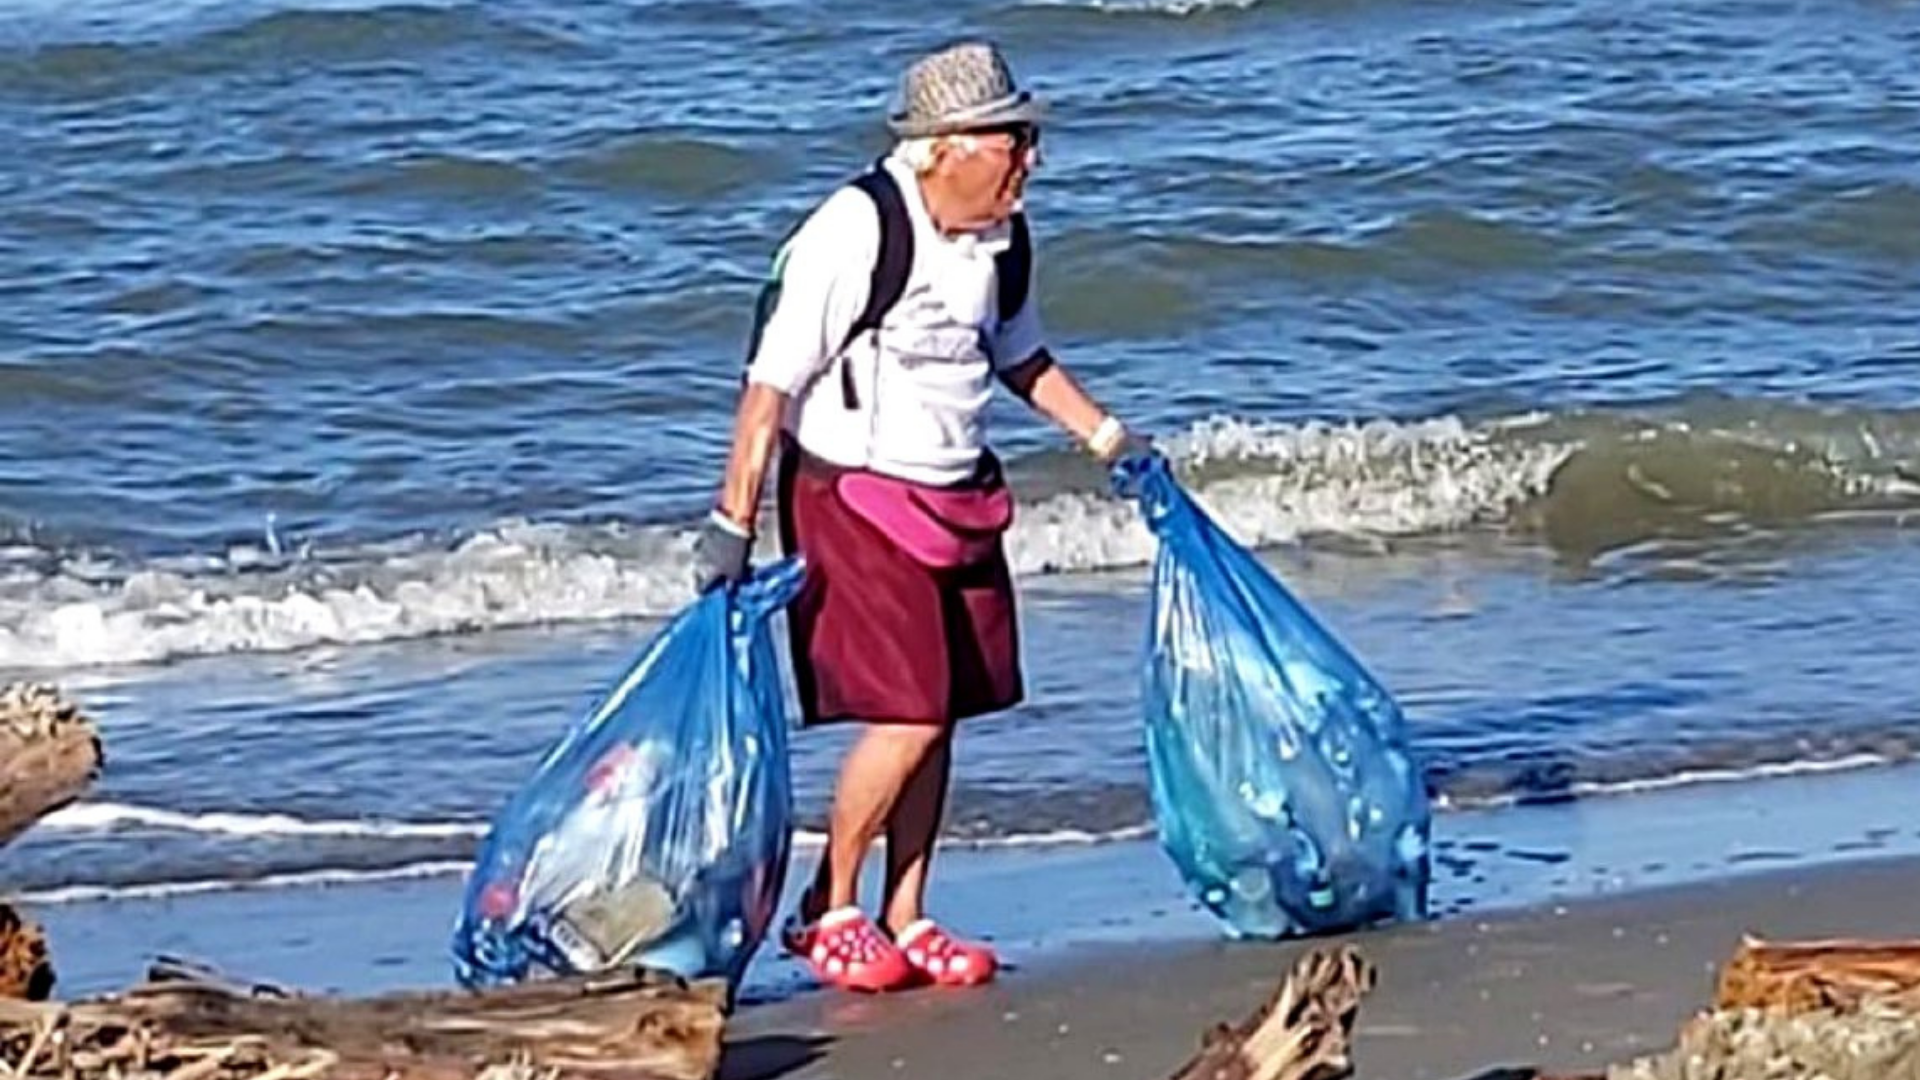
1132	447
1130	463
720	555
1112	442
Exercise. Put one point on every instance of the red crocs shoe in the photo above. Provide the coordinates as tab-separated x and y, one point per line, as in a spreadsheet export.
944	959
847	951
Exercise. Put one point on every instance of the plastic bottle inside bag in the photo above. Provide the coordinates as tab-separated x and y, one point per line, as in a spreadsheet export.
616	903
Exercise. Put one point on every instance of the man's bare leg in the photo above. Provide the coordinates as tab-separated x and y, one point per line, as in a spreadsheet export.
873	776
912	831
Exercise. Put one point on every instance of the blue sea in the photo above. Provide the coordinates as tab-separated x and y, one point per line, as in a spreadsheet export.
364	368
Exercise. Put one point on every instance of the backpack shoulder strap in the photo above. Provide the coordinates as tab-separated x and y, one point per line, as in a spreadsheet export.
1013	270
763	304
895	261
887	282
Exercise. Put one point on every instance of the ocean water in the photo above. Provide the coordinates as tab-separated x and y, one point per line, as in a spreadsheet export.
363	366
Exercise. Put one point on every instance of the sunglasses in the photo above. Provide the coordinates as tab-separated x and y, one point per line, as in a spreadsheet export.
1024	136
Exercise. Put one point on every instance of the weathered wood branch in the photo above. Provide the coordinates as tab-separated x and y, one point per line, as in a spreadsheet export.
189	1023
1810	975
25	971
1303	1032
49	753
1842	1009
1877	1040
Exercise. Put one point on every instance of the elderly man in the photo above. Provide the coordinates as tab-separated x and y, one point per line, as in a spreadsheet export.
900	300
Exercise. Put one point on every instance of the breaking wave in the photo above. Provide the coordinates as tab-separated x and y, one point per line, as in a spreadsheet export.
1583	483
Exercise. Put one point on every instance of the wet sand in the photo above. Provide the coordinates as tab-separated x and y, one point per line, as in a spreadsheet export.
1563	986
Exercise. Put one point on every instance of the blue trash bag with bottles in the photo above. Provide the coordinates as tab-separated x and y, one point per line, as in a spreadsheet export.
657	831
1283	785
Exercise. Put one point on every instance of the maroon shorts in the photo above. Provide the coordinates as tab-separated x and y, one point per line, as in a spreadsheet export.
878	636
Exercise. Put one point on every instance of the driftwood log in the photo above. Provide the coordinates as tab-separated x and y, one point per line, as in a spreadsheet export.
49	753
190	1023
1303	1032
25	970
1838	975
1837	1010
1876	1041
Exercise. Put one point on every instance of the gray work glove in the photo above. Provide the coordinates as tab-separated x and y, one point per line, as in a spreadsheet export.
1131	462
1136	449
720	555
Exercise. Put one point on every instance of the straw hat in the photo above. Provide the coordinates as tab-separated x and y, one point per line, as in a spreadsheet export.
963	87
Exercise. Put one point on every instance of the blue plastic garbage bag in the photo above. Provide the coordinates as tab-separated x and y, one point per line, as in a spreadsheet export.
657	832
1282	783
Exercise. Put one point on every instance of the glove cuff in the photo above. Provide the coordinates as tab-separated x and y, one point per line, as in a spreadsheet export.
727	525
1107	437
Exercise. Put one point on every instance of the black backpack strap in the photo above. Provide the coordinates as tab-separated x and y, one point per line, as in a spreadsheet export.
891	268
1013	270
887	281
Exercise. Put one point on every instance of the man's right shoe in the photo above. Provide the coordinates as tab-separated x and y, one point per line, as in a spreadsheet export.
846	950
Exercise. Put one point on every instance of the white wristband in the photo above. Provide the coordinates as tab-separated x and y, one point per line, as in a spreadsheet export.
719	517
1107	437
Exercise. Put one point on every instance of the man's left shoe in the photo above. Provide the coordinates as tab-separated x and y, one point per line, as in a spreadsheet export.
944	959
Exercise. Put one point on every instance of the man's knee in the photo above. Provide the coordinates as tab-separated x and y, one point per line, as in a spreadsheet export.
907	745
923	736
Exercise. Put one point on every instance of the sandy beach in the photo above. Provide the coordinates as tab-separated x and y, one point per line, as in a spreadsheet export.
1562	987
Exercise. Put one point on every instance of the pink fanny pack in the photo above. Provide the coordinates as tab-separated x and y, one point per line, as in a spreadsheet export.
941	527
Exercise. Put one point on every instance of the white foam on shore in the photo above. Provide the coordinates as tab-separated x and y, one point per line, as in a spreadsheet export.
326	877
111	817
100	817
305	879
1681	779
107	816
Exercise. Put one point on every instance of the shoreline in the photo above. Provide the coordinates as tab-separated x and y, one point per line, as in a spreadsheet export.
1054	906
1567	936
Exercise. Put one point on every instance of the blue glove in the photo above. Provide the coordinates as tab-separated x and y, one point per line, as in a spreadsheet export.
720	555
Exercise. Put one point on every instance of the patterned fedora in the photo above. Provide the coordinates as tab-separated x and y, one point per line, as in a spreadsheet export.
963	87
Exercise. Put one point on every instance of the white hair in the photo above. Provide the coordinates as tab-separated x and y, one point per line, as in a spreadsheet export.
916	153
